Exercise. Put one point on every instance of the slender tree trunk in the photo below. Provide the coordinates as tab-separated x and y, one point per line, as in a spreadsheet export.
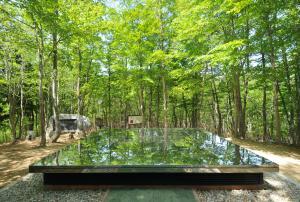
109	98
142	105
126	114
174	114
238	105
185	110
290	106
243	126
194	110
277	122
12	117
55	99
11	97
157	105
162	66
264	104
150	109
214	128
22	99
297	81
217	102
230	112
79	96
276	110
165	102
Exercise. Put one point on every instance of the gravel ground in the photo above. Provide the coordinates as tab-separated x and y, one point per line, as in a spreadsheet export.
30	188
279	189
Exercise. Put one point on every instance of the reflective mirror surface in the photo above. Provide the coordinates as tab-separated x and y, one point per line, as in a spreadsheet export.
153	147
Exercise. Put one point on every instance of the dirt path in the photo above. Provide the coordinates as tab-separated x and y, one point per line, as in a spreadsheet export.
15	159
288	158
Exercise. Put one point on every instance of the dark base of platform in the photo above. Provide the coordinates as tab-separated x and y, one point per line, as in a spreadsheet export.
153	179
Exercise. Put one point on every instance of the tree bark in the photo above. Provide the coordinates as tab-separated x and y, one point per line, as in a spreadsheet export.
150	109
291	118
21	99
174	116
264	104
79	96
230	111
297	81
243	126
40	48
213	116
185	110
275	85
157	104
217	103
11	96
238	105
165	102
142	104
56	135
194	110
109	98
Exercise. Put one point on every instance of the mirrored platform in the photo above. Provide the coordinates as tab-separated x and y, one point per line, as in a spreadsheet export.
156	153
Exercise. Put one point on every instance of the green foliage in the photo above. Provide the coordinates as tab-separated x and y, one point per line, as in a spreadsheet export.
200	63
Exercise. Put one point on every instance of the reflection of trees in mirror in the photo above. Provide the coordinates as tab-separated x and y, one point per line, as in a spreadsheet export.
151	147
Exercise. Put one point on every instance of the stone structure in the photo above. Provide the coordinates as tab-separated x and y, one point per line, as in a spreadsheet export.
69	123
135	121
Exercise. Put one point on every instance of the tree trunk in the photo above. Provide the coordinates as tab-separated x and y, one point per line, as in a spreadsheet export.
126	114
142	105
290	106
297	81
243	126
109	98
276	111
12	116
185	110
40	48
165	102
79	96
22	100
238	105
174	116
150	109
56	135
264	104
216	100
214	128
232	122
157	105
11	96
275	85
195	101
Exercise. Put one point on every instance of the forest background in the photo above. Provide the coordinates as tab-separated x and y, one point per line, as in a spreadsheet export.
229	67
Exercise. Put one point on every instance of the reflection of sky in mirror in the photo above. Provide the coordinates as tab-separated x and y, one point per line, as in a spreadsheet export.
190	147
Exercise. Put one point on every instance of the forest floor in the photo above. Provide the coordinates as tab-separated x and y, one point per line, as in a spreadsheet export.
15	158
